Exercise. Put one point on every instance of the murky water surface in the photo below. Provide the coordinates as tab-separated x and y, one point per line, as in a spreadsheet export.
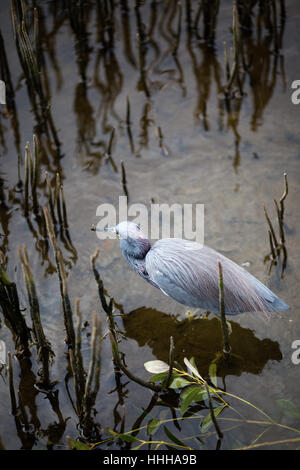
231	159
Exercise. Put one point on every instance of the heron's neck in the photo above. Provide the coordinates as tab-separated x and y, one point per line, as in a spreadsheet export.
137	251
136	257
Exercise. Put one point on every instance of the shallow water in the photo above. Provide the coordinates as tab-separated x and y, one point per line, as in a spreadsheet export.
231	162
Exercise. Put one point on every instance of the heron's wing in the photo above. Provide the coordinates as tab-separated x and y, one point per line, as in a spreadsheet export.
188	272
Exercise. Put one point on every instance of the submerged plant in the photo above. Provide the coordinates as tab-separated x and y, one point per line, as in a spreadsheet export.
195	396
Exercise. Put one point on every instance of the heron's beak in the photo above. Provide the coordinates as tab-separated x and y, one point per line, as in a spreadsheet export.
105	229
112	229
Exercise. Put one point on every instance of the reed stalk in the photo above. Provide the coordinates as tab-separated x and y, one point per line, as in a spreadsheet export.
85	393
64	208
31	65
109	150
272	231
225	333
27	176
98	356
277	248
94	369
171	363
111	139
121	364
9	303
285	193
280	223
77	364
163	148
57	199
78	355
62	275
235	69
212	413
31	177
35	174
108	308
50	199
274	257
45	353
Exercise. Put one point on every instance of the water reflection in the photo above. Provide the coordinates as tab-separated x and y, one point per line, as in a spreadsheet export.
28	425
11	110
199	338
156	40
6	214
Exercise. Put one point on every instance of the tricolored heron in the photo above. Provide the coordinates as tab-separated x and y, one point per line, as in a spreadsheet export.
188	273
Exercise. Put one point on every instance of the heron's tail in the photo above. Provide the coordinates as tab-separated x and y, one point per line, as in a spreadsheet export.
271	301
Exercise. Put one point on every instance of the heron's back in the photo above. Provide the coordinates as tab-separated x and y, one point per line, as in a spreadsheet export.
188	272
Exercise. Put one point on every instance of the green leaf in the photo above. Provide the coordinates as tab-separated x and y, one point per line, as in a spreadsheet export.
153	426
207	422
192	367
193	362
173	438
77	445
213	373
191	394
124	437
155	367
187	390
159	377
163	375
179	382
288	408
128	438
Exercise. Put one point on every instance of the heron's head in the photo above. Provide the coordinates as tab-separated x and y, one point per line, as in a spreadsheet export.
133	241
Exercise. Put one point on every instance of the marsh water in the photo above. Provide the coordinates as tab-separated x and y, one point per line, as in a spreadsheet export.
184	145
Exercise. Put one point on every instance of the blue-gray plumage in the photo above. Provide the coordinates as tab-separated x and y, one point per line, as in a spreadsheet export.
188	272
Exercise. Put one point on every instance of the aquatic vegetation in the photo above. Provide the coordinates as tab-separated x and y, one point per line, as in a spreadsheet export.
278	247
44	351
31	61
213	423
